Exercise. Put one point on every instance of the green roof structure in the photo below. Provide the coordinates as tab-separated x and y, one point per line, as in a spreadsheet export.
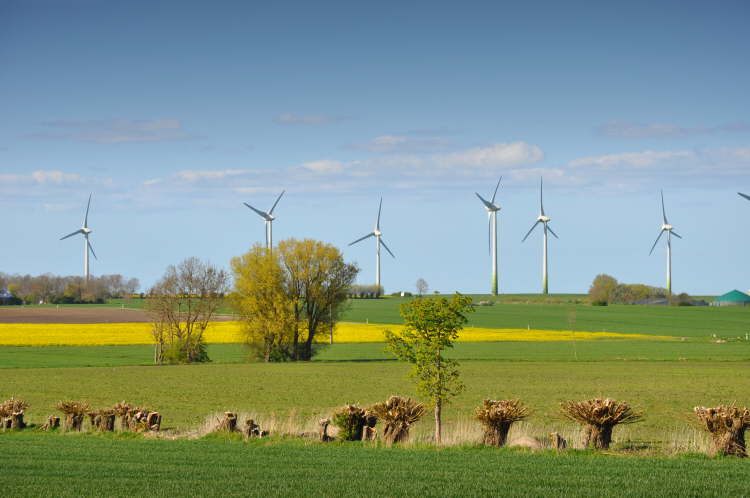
733	298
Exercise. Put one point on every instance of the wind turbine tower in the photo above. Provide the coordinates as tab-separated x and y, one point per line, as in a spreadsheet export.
666	227
85	230
492	210
268	217
544	220
378	241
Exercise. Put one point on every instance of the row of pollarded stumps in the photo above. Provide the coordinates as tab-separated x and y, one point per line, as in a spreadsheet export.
131	418
250	429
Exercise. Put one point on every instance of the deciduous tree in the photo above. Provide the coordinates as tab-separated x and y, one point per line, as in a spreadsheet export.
430	326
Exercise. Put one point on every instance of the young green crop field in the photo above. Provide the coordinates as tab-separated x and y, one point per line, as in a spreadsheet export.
82	465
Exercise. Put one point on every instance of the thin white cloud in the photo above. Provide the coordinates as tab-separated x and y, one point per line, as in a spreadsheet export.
628	129
41	177
113	131
499	154
631	159
153	181
315	119
391	144
202	175
324	166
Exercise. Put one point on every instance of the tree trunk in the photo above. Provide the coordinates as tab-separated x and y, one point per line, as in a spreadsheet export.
598	437
496	435
438	420
730	442
106	422
53	423
74	422
16	420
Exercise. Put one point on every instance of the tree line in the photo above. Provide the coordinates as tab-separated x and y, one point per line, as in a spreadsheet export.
54	289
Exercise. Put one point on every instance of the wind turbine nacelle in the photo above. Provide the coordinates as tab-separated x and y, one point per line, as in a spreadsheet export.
666	227
377	233
86	230
270	217
544	219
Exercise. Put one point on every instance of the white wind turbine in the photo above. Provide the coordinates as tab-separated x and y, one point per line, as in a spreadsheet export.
85	230
268	217
544	220
378	241
666	227
492	210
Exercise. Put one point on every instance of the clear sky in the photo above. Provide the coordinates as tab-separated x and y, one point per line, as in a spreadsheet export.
175	113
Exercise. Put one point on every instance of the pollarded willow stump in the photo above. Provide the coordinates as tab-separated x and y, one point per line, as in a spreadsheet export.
323	430
105	422
74	422
252	429
727	426
16	420
228	423
369	433
52	423
497	417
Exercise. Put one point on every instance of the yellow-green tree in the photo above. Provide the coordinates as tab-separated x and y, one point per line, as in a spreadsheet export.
265	308
430	326
297	294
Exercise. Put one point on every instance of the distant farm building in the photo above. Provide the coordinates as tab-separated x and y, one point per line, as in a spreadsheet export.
7	297
733	298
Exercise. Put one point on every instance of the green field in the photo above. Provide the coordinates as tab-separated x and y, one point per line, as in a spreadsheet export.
75	465
599	350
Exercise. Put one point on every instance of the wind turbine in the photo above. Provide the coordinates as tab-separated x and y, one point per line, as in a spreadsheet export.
544	220
492	210
85	230
744	195
268	217
666	227
378	241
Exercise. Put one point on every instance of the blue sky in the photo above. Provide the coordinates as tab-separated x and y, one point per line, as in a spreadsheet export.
174	114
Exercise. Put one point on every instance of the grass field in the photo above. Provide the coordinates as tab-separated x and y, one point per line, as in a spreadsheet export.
65	465
617	351
185	395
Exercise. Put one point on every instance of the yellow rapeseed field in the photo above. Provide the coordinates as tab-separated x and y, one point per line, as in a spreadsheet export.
105	334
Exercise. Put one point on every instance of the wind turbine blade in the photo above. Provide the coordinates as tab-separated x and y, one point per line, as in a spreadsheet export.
541	196
277	201
386	247
550	231
744	195
530	230
91	248
676	235
377	223
484	201
86	218
71	234
663	211
260	213
371	234
656	241
496	187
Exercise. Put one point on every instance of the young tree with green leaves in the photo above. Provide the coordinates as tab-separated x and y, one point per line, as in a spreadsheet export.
430	326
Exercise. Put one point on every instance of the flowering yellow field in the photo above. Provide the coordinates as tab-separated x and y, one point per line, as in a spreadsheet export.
101	334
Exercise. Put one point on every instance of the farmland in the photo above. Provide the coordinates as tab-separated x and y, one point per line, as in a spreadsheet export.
96	466
662	360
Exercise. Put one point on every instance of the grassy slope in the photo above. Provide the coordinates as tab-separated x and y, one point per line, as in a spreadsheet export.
604	350
667	391
697	322
59	465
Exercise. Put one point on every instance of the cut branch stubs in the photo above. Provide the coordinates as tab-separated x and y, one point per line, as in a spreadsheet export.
599	416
